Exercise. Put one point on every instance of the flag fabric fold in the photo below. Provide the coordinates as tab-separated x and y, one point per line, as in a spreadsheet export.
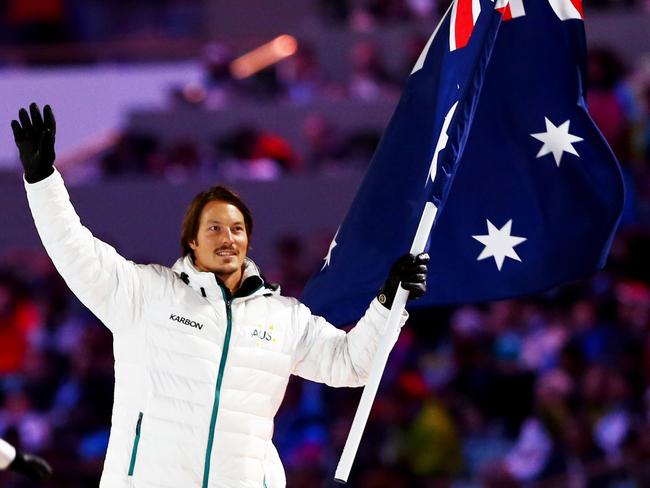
496	134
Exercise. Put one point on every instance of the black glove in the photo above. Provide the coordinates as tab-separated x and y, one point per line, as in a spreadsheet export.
35	141
411	271
34	467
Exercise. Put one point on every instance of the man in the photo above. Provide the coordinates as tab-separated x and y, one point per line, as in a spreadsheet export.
33	467
204	350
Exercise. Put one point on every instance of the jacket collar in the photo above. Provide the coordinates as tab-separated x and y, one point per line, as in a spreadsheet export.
252	279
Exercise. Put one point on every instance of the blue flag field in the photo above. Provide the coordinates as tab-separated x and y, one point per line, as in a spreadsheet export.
492	128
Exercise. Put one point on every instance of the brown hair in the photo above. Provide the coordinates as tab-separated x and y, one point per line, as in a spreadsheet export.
190	226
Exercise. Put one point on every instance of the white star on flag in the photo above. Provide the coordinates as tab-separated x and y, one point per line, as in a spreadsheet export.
557	140
499	244
328	258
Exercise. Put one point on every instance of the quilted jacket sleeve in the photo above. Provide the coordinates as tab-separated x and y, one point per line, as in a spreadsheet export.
109	285
329	355
7	454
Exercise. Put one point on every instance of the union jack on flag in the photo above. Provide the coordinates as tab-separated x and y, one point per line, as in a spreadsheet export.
464	14
463	18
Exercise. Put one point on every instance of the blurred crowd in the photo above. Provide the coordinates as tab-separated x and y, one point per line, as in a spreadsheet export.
301	78
34	22
549	391
368	74
46	22
618	99
252	151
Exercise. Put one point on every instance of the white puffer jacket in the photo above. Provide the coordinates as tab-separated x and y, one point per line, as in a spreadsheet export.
199	375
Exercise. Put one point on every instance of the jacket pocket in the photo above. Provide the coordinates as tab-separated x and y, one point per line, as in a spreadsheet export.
136	441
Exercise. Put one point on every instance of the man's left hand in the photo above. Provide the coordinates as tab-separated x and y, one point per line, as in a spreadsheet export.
33	467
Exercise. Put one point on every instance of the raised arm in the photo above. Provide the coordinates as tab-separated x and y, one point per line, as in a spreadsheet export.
330	355
110	286
35	140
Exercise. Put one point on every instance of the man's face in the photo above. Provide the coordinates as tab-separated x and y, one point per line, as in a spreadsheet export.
221	241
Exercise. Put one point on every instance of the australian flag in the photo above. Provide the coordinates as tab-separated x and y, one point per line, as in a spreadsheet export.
493	130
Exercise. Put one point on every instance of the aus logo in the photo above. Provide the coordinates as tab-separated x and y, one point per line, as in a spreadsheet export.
263	335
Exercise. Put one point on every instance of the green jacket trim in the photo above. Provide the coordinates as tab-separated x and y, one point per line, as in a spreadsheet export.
136	441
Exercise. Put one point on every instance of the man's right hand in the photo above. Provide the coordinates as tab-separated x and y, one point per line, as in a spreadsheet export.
35	140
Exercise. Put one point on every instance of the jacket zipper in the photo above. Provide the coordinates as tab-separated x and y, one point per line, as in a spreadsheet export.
136	441
217	393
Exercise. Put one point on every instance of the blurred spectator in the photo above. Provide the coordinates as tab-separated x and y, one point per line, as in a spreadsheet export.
432	445
264	85
610	98
423	9
368	14
131	155
36	21
537	453
179	162
497	476
383	10
369	78
18	320
251	154
290	271
275	148
646	118
593	337
529	458
359	147
221	88
301	77
324	145
337	11
22	424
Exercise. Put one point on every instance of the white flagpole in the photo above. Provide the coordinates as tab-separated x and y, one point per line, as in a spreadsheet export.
381	356
386	342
